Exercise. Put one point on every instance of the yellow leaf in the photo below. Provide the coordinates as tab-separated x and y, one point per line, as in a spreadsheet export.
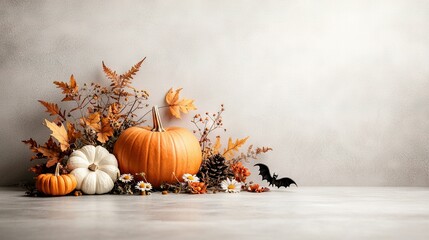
60	134
233	147
104	131
172	96
217	145
186	105
177	105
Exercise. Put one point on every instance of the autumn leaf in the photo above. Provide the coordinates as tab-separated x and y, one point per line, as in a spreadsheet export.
186	105
217	145
114	109
111	75
69	89
73	85
113	112
233	147
32	144
51	144
60	134
177	105
49	150
172	96
72	133
104	131
34	148
54	110
38	169
93	120
52	156
51	108
130	73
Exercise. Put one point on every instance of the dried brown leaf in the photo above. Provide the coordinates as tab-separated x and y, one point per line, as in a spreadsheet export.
104	131
111	75
69	89
38	169
72	133
263	150
51	108
32	145
52	155
132	72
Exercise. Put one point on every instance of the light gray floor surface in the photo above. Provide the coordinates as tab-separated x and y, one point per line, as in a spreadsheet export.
295	213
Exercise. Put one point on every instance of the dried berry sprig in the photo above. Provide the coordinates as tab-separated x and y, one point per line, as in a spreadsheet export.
205	125
252	153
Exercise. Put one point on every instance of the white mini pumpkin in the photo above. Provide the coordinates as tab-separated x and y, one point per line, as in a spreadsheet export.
95	169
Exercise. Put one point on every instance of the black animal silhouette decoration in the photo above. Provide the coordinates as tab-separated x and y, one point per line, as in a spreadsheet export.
264	171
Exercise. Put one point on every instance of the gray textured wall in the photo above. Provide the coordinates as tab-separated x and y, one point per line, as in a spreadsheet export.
338	88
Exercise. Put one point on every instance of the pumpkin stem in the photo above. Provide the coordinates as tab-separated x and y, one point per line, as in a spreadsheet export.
157	124
57	170
93	167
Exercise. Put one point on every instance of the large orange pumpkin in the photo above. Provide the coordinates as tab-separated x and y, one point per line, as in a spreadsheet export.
162	154
56	184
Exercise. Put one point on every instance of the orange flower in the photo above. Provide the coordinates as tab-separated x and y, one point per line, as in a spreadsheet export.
197	187
240	172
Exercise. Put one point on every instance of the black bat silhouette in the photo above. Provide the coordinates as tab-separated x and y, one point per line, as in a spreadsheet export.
264	171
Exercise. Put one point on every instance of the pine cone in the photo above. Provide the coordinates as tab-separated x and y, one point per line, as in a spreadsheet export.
214	170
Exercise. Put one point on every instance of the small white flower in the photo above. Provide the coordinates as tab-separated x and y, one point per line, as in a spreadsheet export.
148	187
231	186
143	186
190	178
125	178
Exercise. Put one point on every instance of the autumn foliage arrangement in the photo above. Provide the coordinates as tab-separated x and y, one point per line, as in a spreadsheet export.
92	114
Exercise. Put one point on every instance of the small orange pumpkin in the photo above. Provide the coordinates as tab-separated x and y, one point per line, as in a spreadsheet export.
159	153
56	184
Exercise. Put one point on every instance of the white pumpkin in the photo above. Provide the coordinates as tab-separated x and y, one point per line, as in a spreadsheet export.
95	169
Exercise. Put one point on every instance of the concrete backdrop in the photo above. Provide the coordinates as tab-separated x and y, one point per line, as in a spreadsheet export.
339	89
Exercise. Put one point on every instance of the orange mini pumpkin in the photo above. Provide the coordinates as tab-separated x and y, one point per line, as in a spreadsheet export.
56	184
158	152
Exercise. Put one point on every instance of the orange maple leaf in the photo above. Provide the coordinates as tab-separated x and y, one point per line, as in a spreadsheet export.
233	147
177	105
93	120
104	131
60	134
